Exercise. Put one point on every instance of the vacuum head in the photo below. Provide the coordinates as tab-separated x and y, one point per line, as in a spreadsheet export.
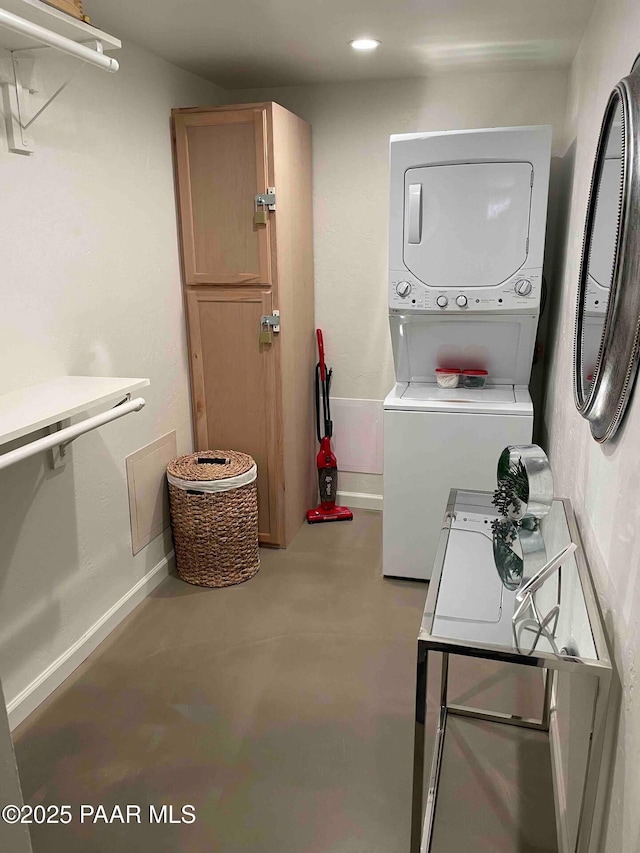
336	513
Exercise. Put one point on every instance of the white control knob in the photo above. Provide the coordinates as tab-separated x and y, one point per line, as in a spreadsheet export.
403	288
523	287
442	301
461	301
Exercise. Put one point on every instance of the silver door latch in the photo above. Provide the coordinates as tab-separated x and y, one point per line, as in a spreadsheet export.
272	320
267	199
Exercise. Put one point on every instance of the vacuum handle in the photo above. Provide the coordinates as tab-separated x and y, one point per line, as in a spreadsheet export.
323	369
318	383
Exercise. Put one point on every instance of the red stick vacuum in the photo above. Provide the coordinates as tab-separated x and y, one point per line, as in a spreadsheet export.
326	460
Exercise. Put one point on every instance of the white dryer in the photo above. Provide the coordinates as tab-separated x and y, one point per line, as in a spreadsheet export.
467	227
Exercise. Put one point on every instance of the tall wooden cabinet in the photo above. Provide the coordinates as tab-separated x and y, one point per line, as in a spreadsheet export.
250	394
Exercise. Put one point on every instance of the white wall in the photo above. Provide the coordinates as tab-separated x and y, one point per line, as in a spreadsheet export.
351	127
90	284
602	481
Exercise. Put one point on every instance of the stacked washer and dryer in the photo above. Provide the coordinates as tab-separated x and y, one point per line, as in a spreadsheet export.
466	246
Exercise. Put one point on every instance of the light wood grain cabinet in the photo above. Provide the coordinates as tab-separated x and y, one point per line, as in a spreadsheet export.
250	395
234	384
222	159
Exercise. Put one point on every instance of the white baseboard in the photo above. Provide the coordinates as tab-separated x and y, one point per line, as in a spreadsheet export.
360	500
35	693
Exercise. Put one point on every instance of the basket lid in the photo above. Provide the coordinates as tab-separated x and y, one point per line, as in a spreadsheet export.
210	465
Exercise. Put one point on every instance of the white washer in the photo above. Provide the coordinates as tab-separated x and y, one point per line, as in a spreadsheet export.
437	439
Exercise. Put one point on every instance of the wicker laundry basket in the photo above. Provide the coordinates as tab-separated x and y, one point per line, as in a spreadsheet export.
214	517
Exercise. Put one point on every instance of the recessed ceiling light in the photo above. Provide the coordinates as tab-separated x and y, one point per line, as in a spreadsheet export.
364	44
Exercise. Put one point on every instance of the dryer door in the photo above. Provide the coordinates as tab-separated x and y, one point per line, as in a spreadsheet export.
467	225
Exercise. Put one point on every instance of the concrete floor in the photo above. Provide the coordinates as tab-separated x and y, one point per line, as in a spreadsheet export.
282	709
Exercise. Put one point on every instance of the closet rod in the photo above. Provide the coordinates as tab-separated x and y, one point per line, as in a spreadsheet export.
35	31
64	436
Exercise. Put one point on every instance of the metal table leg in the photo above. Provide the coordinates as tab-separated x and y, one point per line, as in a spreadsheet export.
421	831
418	748
589	823
546	707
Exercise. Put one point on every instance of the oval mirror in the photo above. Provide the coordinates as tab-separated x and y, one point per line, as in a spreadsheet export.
606	347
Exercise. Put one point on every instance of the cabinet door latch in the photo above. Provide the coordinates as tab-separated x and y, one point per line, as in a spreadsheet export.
267	199
271	320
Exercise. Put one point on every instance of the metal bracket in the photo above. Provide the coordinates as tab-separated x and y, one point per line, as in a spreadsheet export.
267	199
272	320
16	92
15	95
58	455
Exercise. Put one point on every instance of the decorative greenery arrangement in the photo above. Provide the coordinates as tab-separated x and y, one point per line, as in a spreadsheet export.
502	532
509	564
510	499
513	489
520	503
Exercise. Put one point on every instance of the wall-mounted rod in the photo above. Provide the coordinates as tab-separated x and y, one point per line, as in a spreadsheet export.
64	436
38	33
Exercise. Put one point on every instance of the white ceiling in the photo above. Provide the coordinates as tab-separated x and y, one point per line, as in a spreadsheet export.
254	43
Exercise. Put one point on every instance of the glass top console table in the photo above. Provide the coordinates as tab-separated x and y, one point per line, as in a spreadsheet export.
470	612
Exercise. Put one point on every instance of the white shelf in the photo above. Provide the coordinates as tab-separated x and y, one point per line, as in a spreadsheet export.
51	19
39	406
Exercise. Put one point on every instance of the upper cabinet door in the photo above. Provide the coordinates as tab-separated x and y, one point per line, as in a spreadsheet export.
222	164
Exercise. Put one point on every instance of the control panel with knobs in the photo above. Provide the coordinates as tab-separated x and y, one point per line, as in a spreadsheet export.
520	293
522	287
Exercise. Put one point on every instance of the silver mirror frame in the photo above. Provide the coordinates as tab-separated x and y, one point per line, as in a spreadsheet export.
604	403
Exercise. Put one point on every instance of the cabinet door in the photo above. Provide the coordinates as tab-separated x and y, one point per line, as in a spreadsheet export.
221	159
236	398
